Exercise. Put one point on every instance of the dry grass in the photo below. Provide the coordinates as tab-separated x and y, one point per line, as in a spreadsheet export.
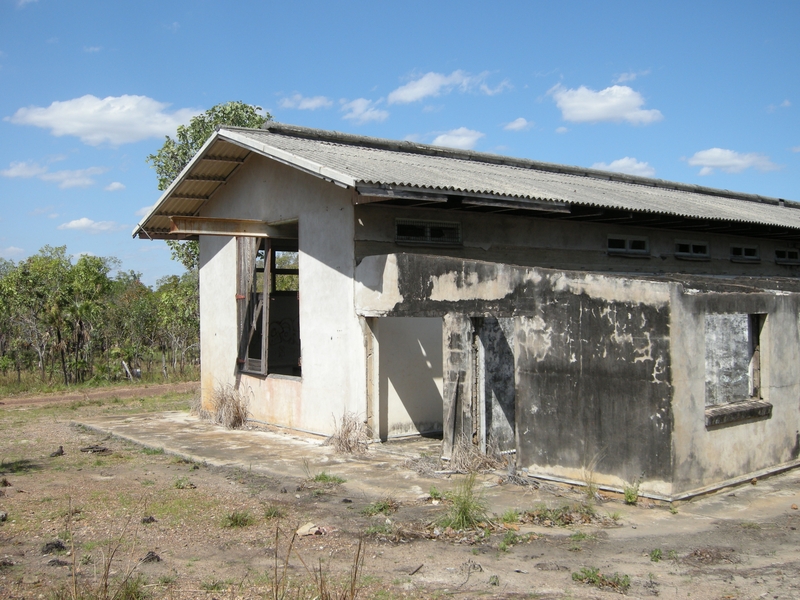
468	458
350	435
229	407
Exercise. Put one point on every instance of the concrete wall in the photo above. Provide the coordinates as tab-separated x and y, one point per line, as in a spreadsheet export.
558	244
410	376
332	346
591	359
740	449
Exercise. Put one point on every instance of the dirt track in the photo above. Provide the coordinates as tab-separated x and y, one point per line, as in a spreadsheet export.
103	393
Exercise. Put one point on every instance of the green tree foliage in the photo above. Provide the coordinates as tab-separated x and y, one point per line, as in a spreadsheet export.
176	153
71	321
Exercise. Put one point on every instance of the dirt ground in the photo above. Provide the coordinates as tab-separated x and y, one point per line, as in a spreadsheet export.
184	529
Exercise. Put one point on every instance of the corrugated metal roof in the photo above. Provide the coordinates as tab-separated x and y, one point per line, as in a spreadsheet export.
369	163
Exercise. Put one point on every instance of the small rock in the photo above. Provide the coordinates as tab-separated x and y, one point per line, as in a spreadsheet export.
151	557
348	501
283	490
6	562
57	562
54	546
794	506
3	516
30	580
150	519
753	481
59	452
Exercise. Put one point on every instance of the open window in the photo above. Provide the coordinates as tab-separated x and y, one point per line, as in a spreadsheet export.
733	364
268	282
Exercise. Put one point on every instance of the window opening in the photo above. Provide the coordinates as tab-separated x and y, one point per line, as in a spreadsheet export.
745	254
688	250
634	246
733	357
787	256
439	233
269	293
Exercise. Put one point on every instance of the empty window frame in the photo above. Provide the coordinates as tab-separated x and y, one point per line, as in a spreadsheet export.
628	245
692	250
430	233
787	256
745	254
732	358
268	292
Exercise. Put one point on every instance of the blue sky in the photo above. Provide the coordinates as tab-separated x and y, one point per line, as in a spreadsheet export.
698	92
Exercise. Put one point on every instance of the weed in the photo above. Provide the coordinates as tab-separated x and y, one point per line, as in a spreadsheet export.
213	585
152	451
325	477
656	555
381	529
615	516
274	512
672	555
593	576
466	457
349	435
434	493
562	516
750	525
509	539
167	580
385	506
148	482
579	536
238	518
183	483
510	516
631	491
673	509
468	508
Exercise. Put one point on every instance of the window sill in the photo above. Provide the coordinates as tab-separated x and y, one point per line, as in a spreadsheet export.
737	411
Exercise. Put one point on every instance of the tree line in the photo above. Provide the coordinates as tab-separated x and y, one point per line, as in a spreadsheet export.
71	321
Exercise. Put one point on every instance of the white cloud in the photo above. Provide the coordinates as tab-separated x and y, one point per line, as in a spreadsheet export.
73	178
21	3
786	104
561	130
362	110
630	76
86	224
64	179
302	103
10	252
91	49
501	87
462	138
114	120
114	186
144	210
430	84
24	170
796	149
627	165
730	161
616	103
520	124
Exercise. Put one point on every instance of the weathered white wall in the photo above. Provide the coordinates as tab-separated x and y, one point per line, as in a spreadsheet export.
332	345
409	375
702	456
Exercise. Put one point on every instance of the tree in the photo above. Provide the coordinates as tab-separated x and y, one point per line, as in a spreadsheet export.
176	153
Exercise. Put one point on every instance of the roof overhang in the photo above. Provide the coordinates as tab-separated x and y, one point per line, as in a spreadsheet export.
208	171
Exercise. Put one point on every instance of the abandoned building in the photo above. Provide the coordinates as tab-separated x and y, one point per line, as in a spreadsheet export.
573	319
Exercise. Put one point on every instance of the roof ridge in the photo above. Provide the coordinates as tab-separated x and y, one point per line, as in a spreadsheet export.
523	163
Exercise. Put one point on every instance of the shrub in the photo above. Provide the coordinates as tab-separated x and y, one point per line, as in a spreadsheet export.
467	508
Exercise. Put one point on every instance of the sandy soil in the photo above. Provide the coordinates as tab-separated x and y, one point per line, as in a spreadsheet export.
739	543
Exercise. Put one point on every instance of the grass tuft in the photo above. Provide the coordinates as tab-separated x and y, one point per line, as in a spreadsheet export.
467	508
238	518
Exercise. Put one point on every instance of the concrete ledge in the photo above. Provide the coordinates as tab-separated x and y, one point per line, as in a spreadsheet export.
737	411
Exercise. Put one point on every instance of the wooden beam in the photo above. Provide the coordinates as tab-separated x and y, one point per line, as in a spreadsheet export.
248	227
